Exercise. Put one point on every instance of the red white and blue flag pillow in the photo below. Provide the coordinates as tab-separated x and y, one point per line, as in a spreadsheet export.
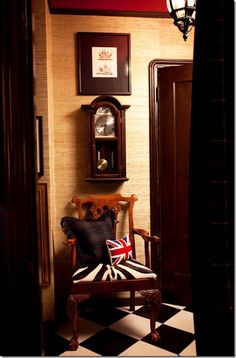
119	250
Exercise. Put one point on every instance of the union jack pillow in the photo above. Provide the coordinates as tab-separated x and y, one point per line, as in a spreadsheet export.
119	250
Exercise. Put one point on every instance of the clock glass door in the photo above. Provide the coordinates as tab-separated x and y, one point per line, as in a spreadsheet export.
106	154
106	138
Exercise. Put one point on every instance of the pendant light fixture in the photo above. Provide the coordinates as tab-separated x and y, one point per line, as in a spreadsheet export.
183	13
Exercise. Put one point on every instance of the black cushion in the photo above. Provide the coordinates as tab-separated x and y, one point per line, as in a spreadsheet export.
91	236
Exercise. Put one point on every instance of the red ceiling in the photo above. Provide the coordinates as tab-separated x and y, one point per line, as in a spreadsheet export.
136	7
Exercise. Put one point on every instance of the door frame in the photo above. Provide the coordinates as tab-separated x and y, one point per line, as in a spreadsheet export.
154	121
20	303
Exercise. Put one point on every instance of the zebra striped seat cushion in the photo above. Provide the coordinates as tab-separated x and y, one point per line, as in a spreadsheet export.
126	270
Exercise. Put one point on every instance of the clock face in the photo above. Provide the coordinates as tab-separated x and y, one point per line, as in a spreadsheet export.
105	125
104	122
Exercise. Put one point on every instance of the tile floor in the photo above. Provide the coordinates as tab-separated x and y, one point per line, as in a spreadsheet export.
115	331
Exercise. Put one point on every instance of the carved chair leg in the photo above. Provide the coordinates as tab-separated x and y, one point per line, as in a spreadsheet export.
132	300
154	297
72	311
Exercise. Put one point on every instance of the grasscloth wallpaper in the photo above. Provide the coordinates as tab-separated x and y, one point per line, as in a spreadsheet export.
64	124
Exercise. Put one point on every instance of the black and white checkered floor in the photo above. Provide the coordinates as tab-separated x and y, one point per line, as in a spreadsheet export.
115	331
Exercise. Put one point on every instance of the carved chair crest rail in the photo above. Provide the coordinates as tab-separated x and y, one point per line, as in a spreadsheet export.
101	262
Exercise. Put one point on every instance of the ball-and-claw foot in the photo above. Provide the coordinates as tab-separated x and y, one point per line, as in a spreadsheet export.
155	336
74	344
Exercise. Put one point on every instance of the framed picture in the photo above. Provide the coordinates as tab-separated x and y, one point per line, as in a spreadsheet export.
104	63
43	234
39	145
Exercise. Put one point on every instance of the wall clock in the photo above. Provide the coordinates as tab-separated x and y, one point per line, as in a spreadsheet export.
107	144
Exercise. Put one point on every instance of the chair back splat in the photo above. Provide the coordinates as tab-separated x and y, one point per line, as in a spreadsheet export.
101	262
100	203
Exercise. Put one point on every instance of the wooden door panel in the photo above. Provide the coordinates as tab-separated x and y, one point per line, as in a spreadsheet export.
175	87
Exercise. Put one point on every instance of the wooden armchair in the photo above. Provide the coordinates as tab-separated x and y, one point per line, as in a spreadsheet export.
101	263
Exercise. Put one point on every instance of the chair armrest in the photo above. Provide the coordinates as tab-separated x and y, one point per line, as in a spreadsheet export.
71	242
147	239
145	235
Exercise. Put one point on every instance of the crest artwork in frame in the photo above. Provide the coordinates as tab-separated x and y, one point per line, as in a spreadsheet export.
104	63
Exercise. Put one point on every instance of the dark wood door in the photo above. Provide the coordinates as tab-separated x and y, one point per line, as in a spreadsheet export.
174	95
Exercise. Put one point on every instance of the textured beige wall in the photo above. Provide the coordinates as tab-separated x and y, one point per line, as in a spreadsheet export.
43	107
65	127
